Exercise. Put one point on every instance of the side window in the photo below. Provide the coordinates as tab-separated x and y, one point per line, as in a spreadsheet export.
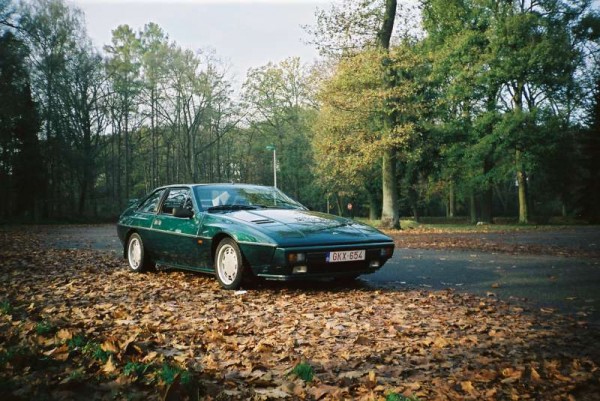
150	204
178	197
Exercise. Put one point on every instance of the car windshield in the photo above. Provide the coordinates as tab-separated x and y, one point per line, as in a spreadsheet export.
214	198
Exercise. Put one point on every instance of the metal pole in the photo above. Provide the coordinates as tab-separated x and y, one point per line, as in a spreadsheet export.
274	168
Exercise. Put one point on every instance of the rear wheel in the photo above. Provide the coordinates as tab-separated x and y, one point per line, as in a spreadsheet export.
229	264
136	254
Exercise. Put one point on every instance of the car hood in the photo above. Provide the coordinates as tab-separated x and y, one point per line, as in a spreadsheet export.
302	227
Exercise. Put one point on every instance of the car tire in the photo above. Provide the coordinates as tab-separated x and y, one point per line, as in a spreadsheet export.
136	254
229	264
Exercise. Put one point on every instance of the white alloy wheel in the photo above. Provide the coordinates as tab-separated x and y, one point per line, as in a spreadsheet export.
135	253
229	264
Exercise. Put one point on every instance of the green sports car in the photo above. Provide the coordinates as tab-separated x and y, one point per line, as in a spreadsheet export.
237	230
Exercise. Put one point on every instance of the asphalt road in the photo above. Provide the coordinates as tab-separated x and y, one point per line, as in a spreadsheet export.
551	283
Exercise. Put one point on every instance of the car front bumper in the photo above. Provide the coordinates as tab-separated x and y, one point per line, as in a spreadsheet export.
316	264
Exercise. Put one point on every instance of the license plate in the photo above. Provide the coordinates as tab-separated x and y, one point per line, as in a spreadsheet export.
345	256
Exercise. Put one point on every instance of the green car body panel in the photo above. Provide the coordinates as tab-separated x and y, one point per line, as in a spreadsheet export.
265	237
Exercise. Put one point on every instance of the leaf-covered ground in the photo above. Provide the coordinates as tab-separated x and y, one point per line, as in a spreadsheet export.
75	324
562	241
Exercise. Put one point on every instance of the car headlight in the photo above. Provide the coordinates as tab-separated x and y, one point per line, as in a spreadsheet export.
300	269
387	252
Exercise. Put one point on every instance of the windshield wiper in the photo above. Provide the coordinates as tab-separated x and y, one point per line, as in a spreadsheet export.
231	207
281	206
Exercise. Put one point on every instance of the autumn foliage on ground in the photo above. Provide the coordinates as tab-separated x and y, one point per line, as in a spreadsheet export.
484	239
76	324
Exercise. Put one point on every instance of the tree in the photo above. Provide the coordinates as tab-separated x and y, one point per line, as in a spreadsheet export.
509	70
589	162
83	95
349	27
390	212
155	54
21	168
52	32
123	68
280	111
351	136
368	29
7	15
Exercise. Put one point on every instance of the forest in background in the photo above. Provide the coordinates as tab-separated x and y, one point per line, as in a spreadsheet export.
477	108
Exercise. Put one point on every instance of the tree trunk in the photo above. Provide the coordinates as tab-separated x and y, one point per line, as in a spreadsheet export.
522	183
472	208
521	175
451	200
373	206
487	196
387	27
486	206
390	215
338	203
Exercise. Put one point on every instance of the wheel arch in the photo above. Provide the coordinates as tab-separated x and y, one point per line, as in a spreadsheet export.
216	240
215	244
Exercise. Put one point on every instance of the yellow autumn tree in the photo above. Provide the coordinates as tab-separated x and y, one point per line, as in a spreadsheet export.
353	130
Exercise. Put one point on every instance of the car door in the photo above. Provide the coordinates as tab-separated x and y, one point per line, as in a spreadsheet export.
177	237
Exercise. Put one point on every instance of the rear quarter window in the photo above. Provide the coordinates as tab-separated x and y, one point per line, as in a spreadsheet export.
151	204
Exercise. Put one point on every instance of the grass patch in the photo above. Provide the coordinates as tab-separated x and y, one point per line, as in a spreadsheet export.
136	369
168	373
94	350
5	308
400	397
304	371
43	328
78	341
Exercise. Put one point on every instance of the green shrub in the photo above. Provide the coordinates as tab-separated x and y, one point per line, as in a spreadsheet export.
5	308
400	397
43	328
304	371
78	341
168	373
135	369
94	350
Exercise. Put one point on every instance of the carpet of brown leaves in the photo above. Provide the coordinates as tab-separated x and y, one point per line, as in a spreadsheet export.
75	324
496	241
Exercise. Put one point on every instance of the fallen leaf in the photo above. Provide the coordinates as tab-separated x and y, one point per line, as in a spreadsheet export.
535	376
109	346
64	334
109	367
467	387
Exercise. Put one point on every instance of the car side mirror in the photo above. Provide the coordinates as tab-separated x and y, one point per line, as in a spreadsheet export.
183	213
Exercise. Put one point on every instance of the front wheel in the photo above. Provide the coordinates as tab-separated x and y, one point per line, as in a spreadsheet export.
136	255
229	264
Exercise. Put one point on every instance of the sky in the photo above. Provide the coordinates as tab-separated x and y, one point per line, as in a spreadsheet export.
242	33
